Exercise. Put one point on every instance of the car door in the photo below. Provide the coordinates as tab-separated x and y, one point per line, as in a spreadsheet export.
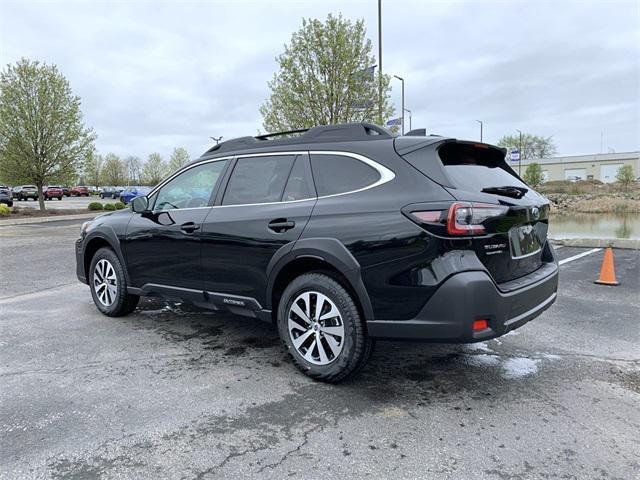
266	205
162	245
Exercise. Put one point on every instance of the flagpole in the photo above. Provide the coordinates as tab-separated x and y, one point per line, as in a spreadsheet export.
380	61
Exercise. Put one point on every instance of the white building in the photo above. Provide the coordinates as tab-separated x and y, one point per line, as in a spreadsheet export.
599	166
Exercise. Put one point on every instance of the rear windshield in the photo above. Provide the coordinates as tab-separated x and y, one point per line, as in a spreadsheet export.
473	168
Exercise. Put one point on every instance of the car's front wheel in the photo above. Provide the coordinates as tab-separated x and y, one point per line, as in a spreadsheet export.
108	285
322	329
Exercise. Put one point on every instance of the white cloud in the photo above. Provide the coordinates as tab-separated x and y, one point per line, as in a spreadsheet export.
155	75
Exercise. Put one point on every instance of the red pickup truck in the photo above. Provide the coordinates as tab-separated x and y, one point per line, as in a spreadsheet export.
53	192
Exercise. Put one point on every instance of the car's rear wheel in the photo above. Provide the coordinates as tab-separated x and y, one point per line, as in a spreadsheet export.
108	285
322	329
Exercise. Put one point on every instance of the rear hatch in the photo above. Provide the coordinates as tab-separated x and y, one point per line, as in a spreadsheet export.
511	218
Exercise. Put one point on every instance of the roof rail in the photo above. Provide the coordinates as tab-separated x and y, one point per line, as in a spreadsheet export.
267	136
320	133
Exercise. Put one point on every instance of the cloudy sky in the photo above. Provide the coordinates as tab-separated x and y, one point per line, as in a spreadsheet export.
154	75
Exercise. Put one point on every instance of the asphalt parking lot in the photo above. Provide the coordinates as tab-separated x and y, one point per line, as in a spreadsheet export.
67	203
172	392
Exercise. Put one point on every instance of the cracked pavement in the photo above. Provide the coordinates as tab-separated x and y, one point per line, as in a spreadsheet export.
176	392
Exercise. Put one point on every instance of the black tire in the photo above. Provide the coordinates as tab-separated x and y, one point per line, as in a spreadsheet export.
124	302
59	199
357	346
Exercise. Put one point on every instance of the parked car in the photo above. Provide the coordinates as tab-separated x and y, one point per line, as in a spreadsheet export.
130	193
79	192
66	192
52	192
5	195
108	192
25	192
340	236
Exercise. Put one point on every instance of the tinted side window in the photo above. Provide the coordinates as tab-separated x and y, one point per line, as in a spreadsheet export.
258	180
339	174
298	184
190	189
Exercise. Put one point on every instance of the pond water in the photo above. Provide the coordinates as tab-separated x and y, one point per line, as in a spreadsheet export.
595	225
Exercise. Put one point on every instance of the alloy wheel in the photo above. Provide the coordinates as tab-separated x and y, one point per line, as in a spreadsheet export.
105	282
316	328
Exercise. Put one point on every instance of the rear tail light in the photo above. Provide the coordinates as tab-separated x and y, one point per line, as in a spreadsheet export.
467	218
462	218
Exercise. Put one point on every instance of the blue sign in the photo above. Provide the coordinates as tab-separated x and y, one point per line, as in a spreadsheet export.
394	121
514	155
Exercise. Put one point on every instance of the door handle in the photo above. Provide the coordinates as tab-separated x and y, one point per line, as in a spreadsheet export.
281	225
189	227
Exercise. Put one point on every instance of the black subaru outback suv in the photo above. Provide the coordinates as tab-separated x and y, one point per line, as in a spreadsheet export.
341	235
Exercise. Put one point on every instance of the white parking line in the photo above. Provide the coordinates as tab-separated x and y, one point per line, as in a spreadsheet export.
580	255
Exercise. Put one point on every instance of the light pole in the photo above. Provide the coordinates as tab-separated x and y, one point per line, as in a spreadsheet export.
409	112
380	61
520	155
480	122
402	80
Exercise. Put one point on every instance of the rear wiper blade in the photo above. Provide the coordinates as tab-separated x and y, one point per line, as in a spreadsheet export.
507	191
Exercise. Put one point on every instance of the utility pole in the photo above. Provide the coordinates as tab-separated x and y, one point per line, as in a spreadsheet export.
520	156
409	112
402	80
380	62
480	122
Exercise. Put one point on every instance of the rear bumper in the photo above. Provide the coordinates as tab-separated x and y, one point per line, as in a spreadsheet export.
467	296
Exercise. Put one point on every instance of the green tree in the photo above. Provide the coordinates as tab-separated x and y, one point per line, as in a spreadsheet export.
321	78
92	171
533	146
533	174
133	166
114	171
154	169
178	158
43	139
625	176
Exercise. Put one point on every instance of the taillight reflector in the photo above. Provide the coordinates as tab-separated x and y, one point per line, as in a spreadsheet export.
479	325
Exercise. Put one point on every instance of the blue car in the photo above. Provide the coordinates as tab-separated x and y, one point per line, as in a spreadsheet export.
130	193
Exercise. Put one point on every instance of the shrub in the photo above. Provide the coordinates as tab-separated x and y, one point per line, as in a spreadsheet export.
109	207
96	206
5	211
625	176
120	205
533	175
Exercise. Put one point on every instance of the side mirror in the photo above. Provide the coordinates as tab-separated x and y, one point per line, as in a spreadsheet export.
140	204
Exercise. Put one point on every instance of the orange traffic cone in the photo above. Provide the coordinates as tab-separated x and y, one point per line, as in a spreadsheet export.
608	271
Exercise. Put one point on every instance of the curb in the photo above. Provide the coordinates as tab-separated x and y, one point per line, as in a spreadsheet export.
622	243
56	218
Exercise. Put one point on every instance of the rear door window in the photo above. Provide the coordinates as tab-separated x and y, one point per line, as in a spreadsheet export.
259	179
298	185
335	174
